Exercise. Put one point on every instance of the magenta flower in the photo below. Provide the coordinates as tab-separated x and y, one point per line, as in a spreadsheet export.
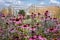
47	18
46	13
52	30
18	22
37	24
58	38
20	17
42	19
12	30
41	38
25	26
58	24
33	29
3	17
10	21
1	30
33	16
55	19
32	38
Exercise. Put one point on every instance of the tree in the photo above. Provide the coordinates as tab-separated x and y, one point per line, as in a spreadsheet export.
21	12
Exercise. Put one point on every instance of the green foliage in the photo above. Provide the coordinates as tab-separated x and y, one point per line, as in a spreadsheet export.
28	17
21	12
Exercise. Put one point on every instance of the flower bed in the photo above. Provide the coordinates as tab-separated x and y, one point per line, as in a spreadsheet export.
34	27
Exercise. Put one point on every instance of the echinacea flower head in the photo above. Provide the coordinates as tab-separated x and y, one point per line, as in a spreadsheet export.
58	24
28	25
32	38
41	38
16	38
47	18
37	24
42	19
35	36
32	13
12	30
20	17
46	31
58	38
18	22
32	28
1	30
40	27
10	21
46	13
39	14
3	17
33	16
55	19
17	19
25	26
52	30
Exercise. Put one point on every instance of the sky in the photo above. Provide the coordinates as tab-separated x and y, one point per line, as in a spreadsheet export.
6	3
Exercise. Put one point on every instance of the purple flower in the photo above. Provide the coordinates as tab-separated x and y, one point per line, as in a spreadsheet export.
32	38
1	30
18	22
12	30
47	18
58	38
52	30
41	38
33	29
46	13
25	26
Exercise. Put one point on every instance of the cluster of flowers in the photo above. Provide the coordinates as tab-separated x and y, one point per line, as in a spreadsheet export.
36	27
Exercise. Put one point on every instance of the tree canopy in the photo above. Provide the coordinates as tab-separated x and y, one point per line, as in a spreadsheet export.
21	12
